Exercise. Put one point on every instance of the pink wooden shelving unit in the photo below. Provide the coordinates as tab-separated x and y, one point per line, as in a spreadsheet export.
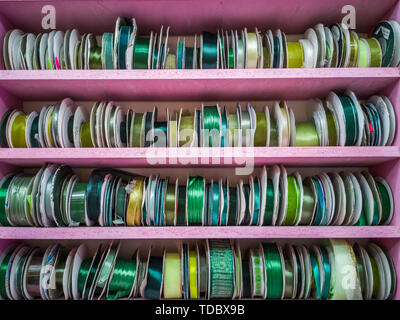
187	17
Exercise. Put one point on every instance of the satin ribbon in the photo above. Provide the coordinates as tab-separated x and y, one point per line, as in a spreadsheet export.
224	214
170	61
209	51
181	213
351	120
240	55
295	54
274	270
134	211
246	293
34	132
269	204
195	200
364	54
193	274
18	131
179	59
86	140
224	130
231	59
316	274
122	279
246	219
221	269
95	60
293	206
327	271
215	204
3	196
246	128
154	278
124	38
332	129
107	51
260	135
308	205
273	138
353	50
233	130
277	51
189	58
256	212
170	205
375	52
3	128
172	276
3	274
251	50
232	217
137	131
306	135
141	53
289	279
385	201
77	202
320	218
211	126
186	131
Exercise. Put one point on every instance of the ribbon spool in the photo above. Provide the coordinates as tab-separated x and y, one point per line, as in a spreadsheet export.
195	200
209	51
306	135
172	276
141	53
122	279
18	134
295	54
211	126
274	270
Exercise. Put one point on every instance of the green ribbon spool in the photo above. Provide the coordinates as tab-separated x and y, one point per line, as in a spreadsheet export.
34	131
246	293
141	53
232	206
108	51
189	57
293	206
273	133
306	135
137	130
224	214
180	56
257	204
78	199
221	269
83	273
160	134
327	271
3	196
260	134
122	280
215	204
154	278
3	128
231	57
385	200
375	276
180	214
211	126
209	51
316	275
351	120
332	129
170	203
308	203
320	218
95	61
195	200
3	274
274	271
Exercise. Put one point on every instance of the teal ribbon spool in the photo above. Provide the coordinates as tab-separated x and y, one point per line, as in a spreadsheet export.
351	120
34	131
209	53
320	217
224	135
189	57
122	280
154	278
274	271
256	212
108	50
211	126
160	134
246	190
327	270
141	53
124	38
215	204
317	277
277	51
195	200
180	55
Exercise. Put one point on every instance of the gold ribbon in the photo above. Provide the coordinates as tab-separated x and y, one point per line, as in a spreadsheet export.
86	140
353	49
171	61
172	133
170	205
260	135
134	211
186	126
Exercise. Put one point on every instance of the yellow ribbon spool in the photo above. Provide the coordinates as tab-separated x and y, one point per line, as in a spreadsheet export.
353	49
364	54
134	211
18	132
172	276
193	274
49	131
295	55
171	61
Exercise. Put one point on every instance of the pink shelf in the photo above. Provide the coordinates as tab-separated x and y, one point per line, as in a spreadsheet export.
241	232
196	157
205	85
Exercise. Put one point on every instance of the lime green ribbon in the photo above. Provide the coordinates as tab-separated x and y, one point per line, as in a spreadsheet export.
306	135
293	206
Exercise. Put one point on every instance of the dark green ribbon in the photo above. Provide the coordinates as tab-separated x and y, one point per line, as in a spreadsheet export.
154	278
351	120
232	218
277	52
246	281
34	131
3	274
189	58
269	204
246	218
3	196
225	210
180	215
385	200
210	51
141	53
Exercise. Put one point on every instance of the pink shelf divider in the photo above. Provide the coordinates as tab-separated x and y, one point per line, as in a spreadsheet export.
195	157
240	232
203	85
